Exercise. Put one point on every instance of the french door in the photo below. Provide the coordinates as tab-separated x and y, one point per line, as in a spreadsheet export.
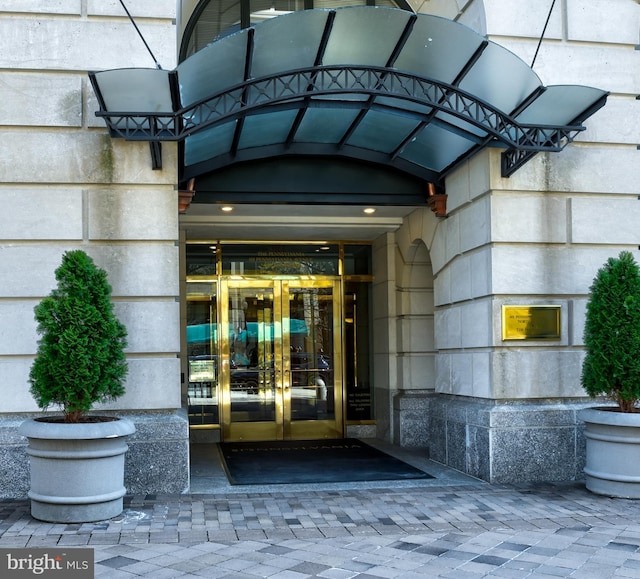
281	359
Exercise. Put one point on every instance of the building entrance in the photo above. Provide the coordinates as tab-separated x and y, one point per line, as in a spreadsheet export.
283	375
276	357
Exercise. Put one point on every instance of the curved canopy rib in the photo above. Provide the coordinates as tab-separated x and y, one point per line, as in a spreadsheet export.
418	93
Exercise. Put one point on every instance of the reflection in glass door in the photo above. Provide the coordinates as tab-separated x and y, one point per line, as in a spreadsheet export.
313	354
249	363
281	360
202	371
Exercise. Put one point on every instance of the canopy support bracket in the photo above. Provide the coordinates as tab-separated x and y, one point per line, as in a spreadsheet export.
155	148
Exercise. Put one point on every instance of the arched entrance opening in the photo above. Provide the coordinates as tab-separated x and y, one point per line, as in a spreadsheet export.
303	137
416	351
300	122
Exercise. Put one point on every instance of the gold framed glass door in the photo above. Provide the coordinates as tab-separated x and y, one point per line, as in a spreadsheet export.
202	348
281	373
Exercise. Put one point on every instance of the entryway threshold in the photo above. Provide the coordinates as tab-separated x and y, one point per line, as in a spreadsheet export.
208	475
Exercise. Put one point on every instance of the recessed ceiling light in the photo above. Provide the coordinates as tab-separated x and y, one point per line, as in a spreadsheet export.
369	210
226	208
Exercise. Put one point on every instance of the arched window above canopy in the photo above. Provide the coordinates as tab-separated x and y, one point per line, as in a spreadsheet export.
210	20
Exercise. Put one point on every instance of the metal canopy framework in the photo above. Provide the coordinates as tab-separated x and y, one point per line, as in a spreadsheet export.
414	92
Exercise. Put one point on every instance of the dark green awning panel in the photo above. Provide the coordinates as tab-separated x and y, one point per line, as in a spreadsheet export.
417	93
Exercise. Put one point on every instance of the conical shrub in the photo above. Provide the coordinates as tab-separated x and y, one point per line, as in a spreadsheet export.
80	359
611	366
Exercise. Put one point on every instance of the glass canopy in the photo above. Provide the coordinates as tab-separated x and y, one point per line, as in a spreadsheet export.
416	93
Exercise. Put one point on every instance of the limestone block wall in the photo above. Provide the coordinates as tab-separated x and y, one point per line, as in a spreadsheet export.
65	184
416	361
540	236
507	411
403	321
384	333
415	320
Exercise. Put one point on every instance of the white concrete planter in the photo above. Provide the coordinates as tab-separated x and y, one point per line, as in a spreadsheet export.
613	452
77	470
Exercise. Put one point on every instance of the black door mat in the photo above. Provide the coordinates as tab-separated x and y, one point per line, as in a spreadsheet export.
312	461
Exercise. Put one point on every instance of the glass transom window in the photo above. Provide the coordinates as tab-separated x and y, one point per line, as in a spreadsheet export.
215	19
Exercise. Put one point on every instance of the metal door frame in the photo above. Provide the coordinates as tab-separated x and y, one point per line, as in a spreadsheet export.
282	427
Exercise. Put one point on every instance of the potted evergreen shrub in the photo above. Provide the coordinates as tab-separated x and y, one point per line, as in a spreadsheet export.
77	458
611	371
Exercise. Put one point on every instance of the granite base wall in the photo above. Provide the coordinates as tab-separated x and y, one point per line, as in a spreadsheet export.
158	457
361	431
496	441
411	419
508	442
382	414
205	436
14	462
157	460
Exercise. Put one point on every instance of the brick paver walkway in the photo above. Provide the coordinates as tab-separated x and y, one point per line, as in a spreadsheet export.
465	531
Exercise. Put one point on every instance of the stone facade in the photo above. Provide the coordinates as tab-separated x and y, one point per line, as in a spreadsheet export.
65	184
444	378
506	411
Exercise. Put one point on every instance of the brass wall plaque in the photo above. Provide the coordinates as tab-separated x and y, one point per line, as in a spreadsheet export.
530	322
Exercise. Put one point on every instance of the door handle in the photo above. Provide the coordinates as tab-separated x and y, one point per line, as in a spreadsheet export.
278	378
